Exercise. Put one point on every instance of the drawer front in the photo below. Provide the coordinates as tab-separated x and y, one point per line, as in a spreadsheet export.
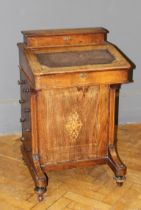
82	79
73	124
82	39
25	112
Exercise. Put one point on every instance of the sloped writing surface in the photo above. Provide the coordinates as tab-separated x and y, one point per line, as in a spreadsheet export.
75	58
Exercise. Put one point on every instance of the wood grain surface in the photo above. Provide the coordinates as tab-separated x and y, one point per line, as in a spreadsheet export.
64	37
70	124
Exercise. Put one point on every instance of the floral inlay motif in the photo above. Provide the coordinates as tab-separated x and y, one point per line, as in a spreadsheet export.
73	125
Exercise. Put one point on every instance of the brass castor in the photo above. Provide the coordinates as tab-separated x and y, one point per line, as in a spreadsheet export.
40	197
40	191
120	184
119	180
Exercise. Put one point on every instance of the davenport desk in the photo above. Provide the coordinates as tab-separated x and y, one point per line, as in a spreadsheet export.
69	80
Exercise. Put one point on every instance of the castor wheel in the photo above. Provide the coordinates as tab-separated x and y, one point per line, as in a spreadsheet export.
119	184
40	191
119	180
40	197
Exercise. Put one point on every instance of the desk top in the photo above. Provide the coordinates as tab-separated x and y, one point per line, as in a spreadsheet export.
71	50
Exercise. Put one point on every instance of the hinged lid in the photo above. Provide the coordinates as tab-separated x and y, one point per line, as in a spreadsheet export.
52	32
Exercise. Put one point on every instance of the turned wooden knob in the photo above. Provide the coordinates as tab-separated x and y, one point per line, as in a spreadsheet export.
27	90
22	119
21	101
27	110
27	130
21	82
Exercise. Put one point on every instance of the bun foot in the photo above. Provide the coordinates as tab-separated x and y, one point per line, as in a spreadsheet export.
119	180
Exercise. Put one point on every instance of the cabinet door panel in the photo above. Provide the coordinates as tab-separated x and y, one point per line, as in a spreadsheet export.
73	123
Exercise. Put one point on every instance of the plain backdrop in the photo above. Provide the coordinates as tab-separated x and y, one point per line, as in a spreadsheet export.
121	18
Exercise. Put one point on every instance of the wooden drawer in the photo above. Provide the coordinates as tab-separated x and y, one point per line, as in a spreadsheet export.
81	79
62	38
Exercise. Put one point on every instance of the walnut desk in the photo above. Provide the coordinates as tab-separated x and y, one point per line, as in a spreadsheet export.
69	80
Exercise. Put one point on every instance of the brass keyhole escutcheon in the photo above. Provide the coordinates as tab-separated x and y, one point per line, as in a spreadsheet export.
67	38
83	75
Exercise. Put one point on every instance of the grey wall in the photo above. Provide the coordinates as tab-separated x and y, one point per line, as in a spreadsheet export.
121	18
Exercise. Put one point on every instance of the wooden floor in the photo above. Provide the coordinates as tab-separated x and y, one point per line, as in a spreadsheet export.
76	189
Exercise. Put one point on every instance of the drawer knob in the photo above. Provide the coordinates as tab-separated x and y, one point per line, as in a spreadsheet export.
27	130
27	110
26	90
22	119
21	82
21	101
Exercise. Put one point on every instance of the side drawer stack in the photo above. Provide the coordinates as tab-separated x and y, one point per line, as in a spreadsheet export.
25	111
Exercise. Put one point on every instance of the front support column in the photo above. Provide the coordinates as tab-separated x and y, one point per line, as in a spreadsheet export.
40	177
113	160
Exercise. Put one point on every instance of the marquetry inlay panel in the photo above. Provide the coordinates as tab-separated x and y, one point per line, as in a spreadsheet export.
73	125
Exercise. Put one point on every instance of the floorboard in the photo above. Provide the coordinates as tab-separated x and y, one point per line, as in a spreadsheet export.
91	188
